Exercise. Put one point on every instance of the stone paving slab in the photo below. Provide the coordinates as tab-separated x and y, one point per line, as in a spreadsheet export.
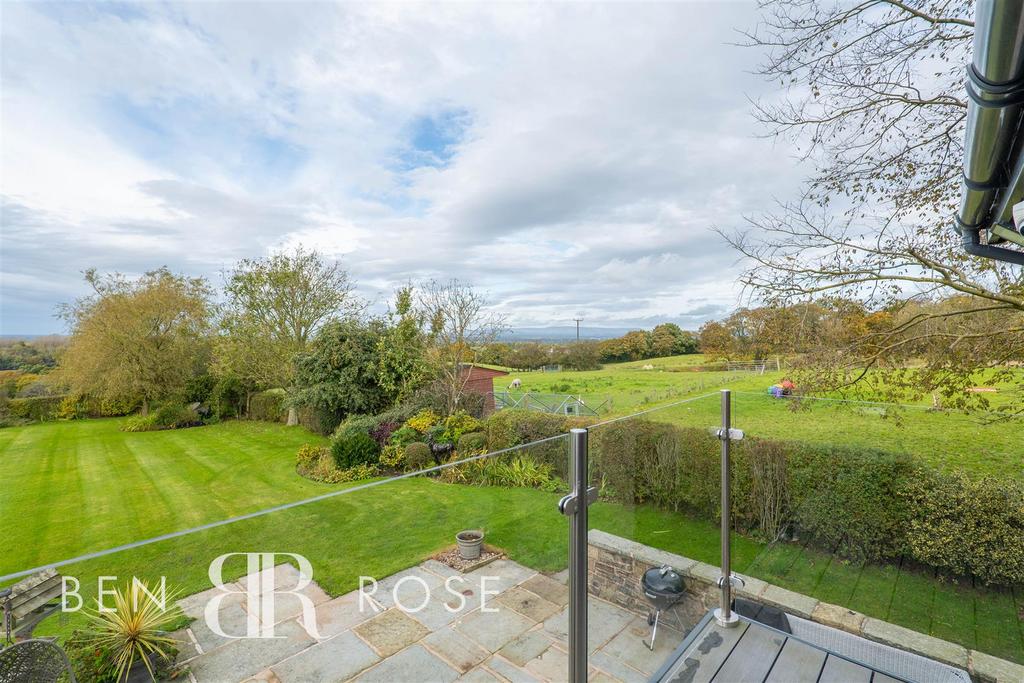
493	629
341	614
530	605
509	671
506	572
391	631
548	588
337	659
248	656
194	605
616	668
628	646
480	675
526	647
412	587
412	664
233	620
552	665
604	621
456	649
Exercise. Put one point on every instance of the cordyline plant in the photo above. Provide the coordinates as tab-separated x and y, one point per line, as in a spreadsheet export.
134	630
875	103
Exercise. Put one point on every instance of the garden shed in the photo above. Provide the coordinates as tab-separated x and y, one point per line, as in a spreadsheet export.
480	380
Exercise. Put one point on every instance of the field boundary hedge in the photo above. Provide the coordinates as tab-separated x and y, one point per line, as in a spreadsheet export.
861	503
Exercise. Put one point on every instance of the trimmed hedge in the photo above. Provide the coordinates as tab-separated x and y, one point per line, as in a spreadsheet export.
268	406
35	408
857	502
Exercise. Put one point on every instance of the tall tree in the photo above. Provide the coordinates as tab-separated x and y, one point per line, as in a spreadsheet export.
874	99
338	374
274	307
402	364
137	340
459	323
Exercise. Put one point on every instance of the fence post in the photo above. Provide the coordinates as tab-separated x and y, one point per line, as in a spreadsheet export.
724	614
574	506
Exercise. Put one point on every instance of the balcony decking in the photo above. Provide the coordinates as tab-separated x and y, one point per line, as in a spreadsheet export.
755	653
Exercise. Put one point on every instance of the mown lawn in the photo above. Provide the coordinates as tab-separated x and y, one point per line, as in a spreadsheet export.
73	487
944	440
122	487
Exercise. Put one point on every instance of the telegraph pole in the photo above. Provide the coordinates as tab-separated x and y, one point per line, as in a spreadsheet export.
578	321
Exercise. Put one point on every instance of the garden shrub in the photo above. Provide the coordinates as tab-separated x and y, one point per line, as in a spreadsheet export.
511	427
167	416
473	442
423	420
352	447
358	423
405	435
73	408
455	425
515	472
199	389
392	456
966	526
309	455
418	455
94	662
383	431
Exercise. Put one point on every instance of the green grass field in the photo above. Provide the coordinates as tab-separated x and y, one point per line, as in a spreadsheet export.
944	440
84	486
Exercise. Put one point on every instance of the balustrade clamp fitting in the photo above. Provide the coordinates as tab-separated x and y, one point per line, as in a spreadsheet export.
567	505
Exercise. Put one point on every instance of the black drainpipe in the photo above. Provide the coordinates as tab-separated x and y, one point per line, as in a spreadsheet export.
971	241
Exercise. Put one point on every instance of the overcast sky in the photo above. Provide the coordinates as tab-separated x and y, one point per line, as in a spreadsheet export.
567	159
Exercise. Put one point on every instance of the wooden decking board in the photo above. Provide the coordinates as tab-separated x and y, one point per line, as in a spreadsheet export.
839	670
797	662
752	657
705	657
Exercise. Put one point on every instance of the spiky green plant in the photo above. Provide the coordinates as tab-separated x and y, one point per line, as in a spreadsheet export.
134	629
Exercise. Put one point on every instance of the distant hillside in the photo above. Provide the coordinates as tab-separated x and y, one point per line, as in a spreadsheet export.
561	334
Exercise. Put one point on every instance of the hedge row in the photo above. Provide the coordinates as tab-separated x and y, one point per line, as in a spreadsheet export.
858	502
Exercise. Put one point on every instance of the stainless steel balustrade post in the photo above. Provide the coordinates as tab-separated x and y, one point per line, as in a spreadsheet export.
724	614
574	506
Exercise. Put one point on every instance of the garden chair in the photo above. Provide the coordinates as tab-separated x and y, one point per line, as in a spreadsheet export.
35	661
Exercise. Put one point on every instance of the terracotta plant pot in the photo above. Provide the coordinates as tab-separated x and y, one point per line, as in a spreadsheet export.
470	542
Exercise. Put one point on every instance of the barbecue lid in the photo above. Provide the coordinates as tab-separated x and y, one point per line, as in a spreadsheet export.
663	580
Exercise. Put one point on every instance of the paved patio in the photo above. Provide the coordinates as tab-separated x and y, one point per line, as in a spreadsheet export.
523	640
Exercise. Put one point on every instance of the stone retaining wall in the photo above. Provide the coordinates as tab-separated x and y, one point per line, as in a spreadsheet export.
617	564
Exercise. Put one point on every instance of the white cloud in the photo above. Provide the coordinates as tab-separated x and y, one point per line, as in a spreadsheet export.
589	148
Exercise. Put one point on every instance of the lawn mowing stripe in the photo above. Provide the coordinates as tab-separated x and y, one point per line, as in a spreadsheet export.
266	511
